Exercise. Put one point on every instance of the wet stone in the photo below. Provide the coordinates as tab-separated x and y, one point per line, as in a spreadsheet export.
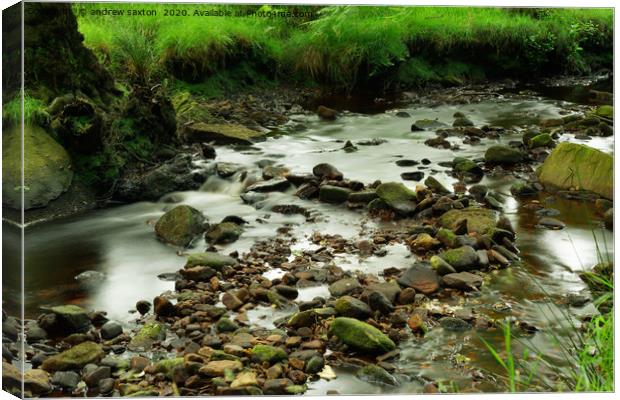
454	324
463	281
344	286
421	278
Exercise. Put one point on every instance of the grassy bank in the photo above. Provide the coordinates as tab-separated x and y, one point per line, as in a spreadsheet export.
347	46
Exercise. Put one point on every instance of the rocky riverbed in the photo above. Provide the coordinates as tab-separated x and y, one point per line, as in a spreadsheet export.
341	253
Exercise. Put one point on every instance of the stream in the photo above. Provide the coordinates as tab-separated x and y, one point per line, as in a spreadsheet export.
120	243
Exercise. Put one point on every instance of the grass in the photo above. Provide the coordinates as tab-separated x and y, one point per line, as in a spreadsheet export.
349	46
34	111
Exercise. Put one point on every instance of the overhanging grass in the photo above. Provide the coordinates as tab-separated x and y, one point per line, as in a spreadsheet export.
347	45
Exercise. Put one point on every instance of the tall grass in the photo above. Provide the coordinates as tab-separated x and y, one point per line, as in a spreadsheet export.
347	45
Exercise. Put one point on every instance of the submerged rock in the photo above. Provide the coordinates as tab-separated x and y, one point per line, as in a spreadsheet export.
376	375
199	132
577	166
326	113
502	155
180	225
361	336
272	185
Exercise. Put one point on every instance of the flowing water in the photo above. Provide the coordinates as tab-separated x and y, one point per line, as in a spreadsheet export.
120	243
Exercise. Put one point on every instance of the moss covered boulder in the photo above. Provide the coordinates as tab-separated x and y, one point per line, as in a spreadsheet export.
70	319
502	155
462	258
149	334
480	220
47	168
577	166
180	225
209	259
74	358
398	196
220	133
361	336
265	353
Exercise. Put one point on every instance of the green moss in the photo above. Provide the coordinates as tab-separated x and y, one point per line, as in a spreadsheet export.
209	259
265	353
361	336
542	140
480	220
147	335
605	111
167	366
446	236
74	358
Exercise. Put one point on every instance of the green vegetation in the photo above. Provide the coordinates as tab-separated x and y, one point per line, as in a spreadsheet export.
349	46
34	112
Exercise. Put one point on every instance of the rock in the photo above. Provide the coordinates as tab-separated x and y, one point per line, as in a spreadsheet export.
417	324
578	166
361	336
199	132
344	286
265	353
605	111
522	189
327	172
374	374
424	242
276	386
163	307
390	290
551	223
222	233
315	364
143	306
66	379
412	176
273	185
446	237
225	324
479	220
426	124
106	386
209	259
226	170
47	168
398	197
37	381
463	166
245	378
92	378
436	186
379	302
287	291
180	225
218	368
542	140
407	163
462	121
462	280
462	258
348	306
420	277
90	279
148	334
198	274
362	197
35	334
70	319
231	301
441	266
110	330
74	358
609	219
454	324
11	376
327	114
333	194
499	154
301	319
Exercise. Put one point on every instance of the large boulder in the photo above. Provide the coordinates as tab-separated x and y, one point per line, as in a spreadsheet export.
220	133
74	358
47	168
180	225
398	196
361	336
479	220
572	165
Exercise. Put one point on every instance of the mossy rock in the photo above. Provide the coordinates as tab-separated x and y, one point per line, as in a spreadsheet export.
71	318
605	111
364	196
305	318
577	166
180	225
210	259
333	194
502	155
463	165
447	237
361	336
461	259
148	334
480	220
47	168
168	366
74	358
225	232
397	196
199	132
378	204
265	353
374	374
542	140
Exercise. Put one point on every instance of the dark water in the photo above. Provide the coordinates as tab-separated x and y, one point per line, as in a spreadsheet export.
120	242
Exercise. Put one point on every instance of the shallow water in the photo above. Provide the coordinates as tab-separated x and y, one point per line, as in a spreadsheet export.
120	241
